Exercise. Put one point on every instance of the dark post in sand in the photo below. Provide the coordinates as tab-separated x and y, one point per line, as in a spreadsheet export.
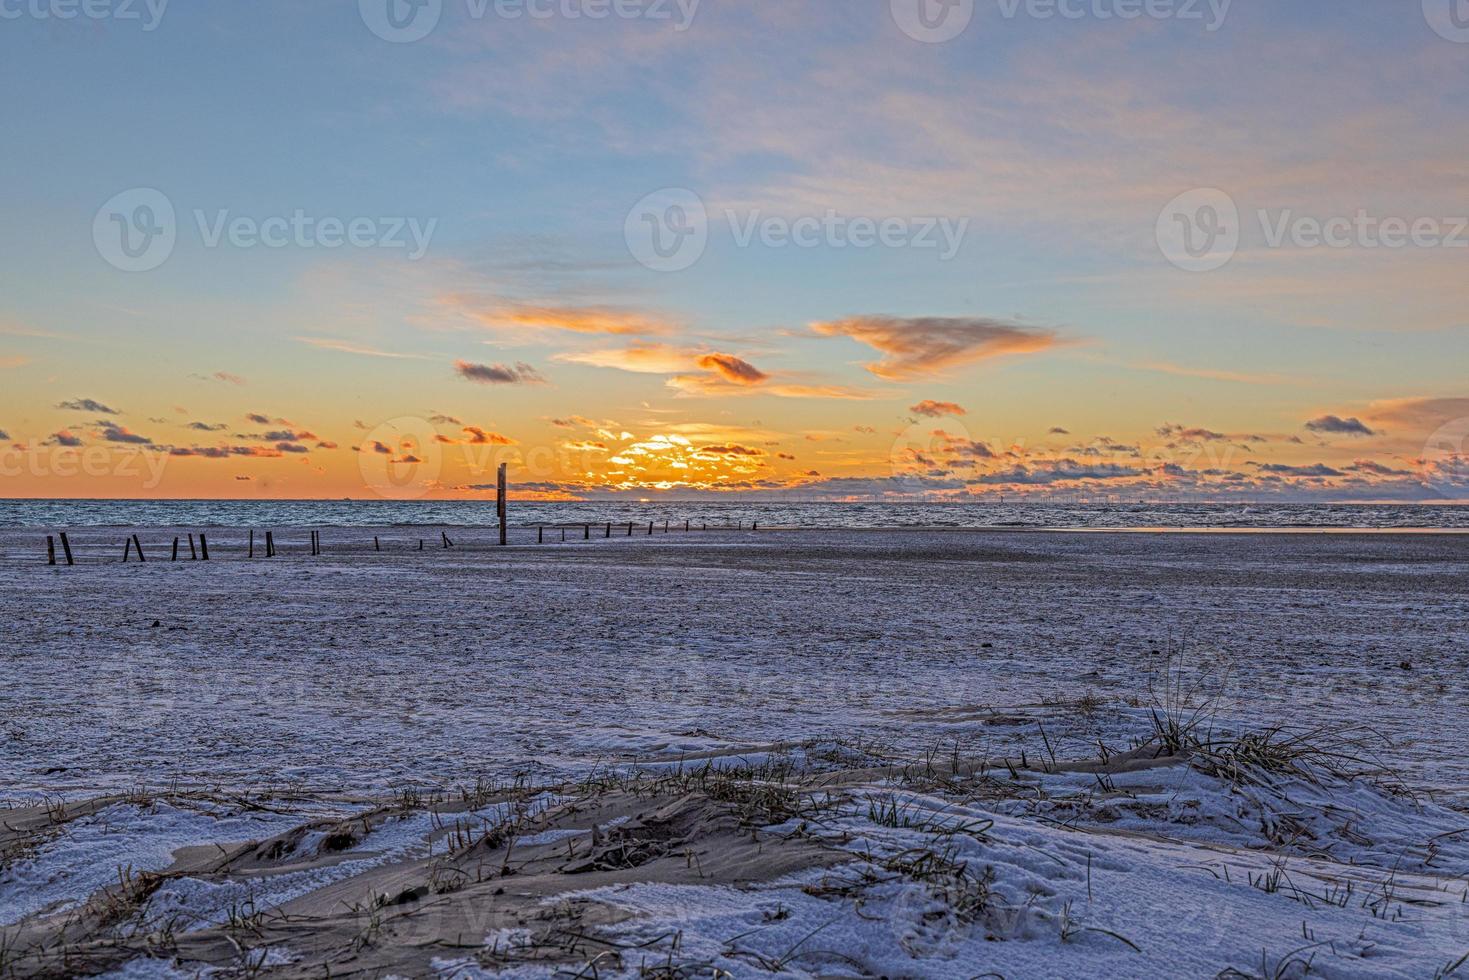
500	501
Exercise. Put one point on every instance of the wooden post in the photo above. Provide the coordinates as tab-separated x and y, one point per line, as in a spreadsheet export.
650	529
563	535
203	546
685	525
193	555
138	545
50	550
269	544
609	529
586	532
420	544
629	528
665	527
500	488
252	542
754	526
447	542
540	535
175	549
375	545
127	547
66	547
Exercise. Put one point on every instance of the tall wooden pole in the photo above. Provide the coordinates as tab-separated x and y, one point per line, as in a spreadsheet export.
500	502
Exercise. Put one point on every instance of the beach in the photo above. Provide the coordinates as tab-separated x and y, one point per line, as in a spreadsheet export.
814	753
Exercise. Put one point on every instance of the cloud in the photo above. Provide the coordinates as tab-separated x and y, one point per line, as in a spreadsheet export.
228	378
4	435
733	369
13	360
287	435
475	436
498	374
1056	430
1060	471
922	347
932	409
575	319
731	450
638	358
257	418
227	452
64	438
1333	425
1419	413
1376	469
88	405
112	432
345	347
208	426
1314	471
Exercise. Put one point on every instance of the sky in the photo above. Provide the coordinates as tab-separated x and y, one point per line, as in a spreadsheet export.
877	249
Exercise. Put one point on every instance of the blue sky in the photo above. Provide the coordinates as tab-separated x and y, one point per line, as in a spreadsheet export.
1055	143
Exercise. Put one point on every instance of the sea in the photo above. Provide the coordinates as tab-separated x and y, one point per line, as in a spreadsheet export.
1275	516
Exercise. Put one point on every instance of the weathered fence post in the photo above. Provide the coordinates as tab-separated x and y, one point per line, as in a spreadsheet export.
252	542
500	488
375	545
127	547
66	547
586	532
269	544
609	529
139	545
50	550
540	535
203	546
175	549
193	554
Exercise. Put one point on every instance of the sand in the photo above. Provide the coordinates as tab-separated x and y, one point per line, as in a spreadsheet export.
803	753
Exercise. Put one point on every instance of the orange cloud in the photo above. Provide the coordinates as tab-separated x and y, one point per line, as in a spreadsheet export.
576	319
921	347
733	369
932	409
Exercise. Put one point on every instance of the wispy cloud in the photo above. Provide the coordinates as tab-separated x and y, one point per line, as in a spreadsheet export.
499	374
347	347
87	405
925	347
